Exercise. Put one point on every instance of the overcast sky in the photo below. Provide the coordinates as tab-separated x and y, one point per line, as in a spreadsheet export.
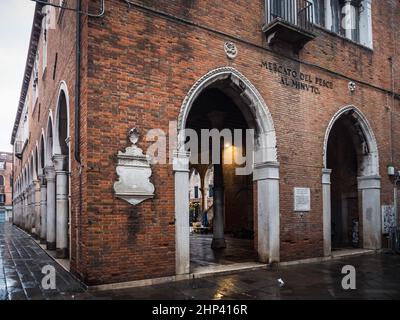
15	28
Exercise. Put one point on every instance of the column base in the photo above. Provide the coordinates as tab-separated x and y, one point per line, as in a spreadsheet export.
51	245
62	253
218	244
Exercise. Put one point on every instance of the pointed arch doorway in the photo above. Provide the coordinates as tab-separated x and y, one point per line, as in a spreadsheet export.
228	95
351	184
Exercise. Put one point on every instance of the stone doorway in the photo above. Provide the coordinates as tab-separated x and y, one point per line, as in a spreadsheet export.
231	215
351	184
224	98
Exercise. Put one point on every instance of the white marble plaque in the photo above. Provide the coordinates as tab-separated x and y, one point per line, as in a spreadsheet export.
302	199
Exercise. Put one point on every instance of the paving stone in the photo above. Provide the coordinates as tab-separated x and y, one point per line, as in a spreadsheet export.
377	277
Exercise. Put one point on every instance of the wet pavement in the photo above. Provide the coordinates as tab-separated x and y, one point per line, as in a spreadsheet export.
21	263
236	251
377	277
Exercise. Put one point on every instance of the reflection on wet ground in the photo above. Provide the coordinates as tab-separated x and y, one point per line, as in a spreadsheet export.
236	251
377	277
21	263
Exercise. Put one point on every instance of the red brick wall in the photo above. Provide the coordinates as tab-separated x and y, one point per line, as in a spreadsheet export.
138	66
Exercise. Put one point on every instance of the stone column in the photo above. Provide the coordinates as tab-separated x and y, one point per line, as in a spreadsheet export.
51	208
26	209
43	209
182	244
370	188
218	241
37	208
348	20
60	164
366	24
32	210
328	15
326	210
268	221
15	211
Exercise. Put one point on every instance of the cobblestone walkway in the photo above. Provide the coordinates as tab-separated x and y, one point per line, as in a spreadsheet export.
377	277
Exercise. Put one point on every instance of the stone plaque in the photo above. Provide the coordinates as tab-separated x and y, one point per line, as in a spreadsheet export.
302	199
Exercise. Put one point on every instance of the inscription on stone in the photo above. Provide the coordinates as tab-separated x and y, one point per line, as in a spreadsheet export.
302	199
297	80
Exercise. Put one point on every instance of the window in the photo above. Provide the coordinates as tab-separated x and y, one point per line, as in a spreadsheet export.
2	165
44	38
318	13
2	198
210	191
1	181
196	192
351	19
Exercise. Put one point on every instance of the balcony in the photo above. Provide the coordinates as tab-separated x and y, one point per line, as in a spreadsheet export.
289	21
19	147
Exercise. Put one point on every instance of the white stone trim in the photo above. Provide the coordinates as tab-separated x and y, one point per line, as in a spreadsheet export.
261	114
266	172
56	140
369	184
371	162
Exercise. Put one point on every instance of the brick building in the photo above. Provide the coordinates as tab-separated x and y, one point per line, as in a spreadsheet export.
6	169
317	81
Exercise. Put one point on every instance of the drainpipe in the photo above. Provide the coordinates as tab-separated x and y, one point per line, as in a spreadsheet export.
77	112
77	126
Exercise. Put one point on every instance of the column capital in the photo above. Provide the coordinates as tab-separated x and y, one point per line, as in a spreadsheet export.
42	179
266	170
50	173
369	182
60	162
181	161
326	176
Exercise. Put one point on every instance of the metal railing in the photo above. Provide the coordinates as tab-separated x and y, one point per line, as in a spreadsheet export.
296	12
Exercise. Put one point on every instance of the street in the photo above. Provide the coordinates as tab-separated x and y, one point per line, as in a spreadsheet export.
377	277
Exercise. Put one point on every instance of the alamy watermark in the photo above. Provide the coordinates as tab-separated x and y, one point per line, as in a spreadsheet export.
49	280
204	146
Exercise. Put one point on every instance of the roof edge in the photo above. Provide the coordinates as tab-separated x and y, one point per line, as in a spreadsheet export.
33	45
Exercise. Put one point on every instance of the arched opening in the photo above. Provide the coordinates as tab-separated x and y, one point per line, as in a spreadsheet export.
43	190
49	143
62	124
62	164
351	155
343	161
228	236
226	101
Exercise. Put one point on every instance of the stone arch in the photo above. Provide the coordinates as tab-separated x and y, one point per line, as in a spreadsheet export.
36	161
370	165
42	152
266	168
62	121
257	111
49	140
32	168
368	180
